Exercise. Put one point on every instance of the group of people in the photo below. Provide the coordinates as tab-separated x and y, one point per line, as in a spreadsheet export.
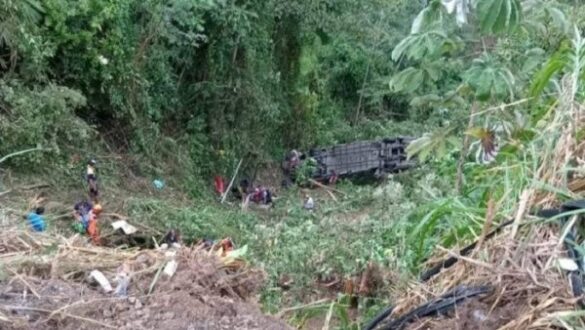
258	194
246	192
86	212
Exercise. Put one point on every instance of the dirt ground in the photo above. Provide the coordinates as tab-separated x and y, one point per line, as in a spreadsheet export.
202	294
45	284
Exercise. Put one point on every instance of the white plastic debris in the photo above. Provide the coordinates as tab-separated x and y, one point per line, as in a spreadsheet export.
102	280
460	8
309	203
170	268
568	264
170	254
479	315
127	228
122	287
103	60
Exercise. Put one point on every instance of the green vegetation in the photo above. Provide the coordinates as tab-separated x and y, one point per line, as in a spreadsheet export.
183	89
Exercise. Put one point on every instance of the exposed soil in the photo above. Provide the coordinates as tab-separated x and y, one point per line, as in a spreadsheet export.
201	295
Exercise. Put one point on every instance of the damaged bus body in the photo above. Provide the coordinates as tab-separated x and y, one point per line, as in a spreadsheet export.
375	157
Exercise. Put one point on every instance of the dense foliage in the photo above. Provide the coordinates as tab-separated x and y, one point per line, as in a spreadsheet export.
215	79
191	86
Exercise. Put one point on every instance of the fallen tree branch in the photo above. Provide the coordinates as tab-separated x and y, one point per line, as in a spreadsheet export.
35	186
292	309
18	153
42	310
320	185
21	279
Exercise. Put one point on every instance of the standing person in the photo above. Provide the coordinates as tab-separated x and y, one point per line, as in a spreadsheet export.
91	177
35	219
266	196
92	228
291	163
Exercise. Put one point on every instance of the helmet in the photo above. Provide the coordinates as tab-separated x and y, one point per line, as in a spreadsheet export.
97	209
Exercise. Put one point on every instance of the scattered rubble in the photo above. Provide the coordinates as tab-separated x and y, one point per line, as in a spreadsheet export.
59	283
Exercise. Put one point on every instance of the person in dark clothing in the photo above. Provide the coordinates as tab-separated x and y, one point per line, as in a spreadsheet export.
206	244
171	237
267	196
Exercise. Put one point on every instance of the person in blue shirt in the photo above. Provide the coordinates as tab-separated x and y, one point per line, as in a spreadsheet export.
82	212
35	219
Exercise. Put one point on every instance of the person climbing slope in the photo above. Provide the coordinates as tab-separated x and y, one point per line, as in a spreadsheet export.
91	178
35	219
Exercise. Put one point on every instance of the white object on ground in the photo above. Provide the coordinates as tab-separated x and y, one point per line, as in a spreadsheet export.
170	268
127	228
102	280
123	282
309	203
568	264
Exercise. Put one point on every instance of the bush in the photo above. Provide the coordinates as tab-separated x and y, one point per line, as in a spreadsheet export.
41	117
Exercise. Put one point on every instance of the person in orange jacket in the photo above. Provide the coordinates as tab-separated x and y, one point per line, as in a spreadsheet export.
92	227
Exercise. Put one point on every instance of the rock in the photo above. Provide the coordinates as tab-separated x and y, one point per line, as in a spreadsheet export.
132	300
479	316
108	313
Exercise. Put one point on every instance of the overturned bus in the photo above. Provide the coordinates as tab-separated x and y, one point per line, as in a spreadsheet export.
327	164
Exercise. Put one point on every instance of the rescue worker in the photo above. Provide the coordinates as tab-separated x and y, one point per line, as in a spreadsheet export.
291	162
35	219
262	195
241	190
83	212
226	245
266	196
91	178
92	228
172	239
